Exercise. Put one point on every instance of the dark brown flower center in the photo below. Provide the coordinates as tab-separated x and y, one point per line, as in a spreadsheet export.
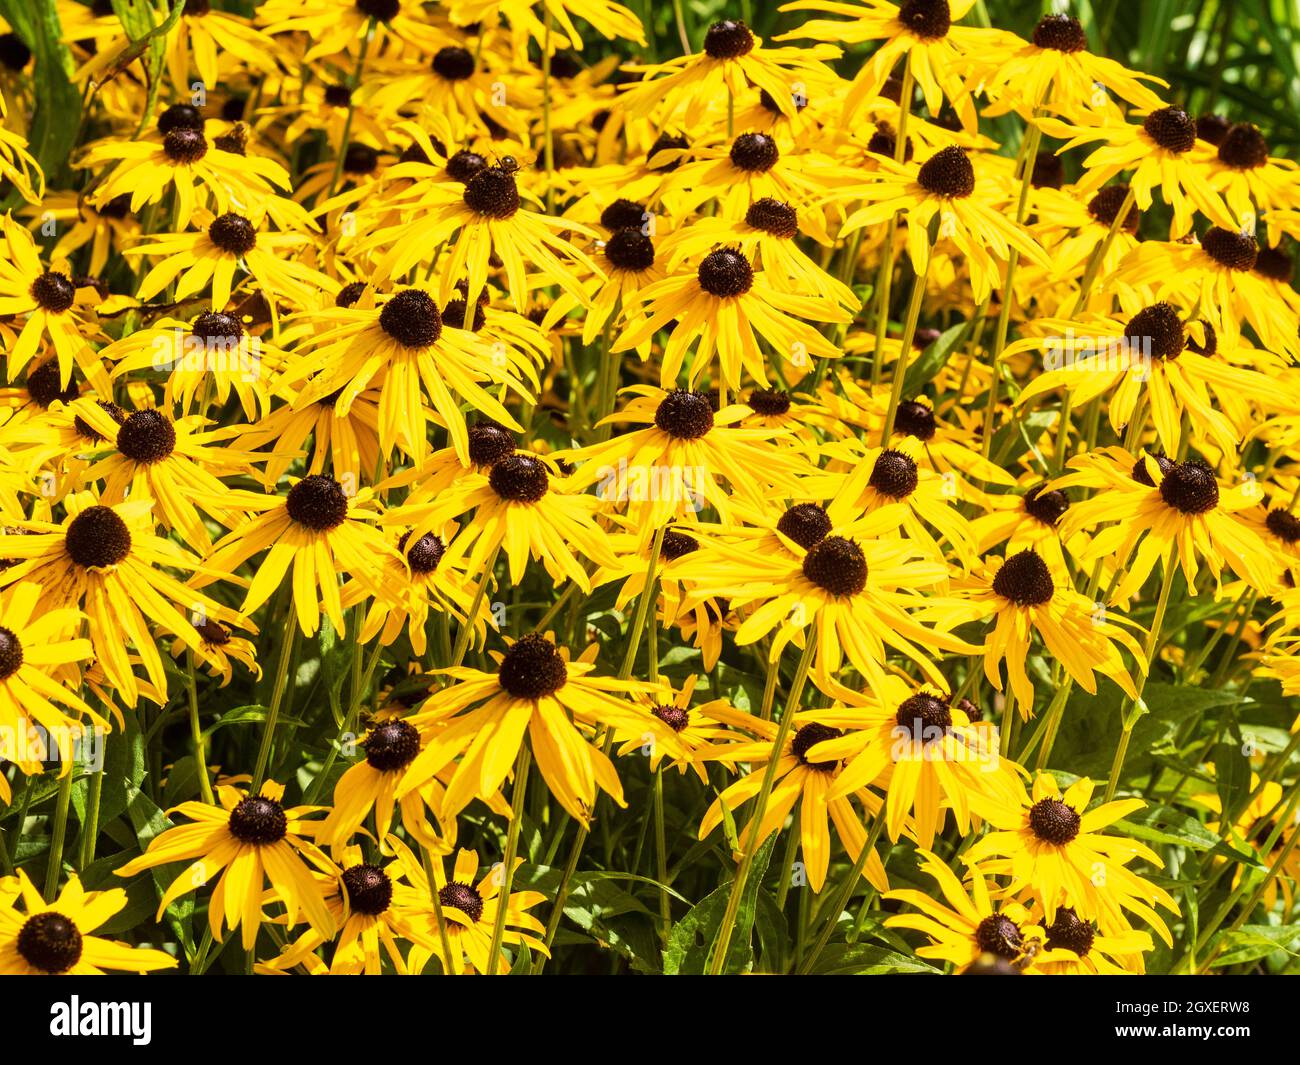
806	524
1156	331
1106	204
1143	476
492	193
180	116
1243	147
338	95
185	146
630	250
728	39
675	717
623	214
684	415
97	538
146	437
464	165
807	738
53	292
666	142
424	555
725	273
368	888
894	474
1025	580
349	294
11	653
1060	33
915	419
454	63
999	935
1046	507
532	668
1069	932
1284	525
836	565
1275	265
676	544
392	746
412	319
1048	172
360	159
772	216
519	479
14	54
49	942
233	234
947	173
925	717
217	326
43	385
463	897
1171	128
927	19
1190	487
1212	128
1054	822
489	443
769	402
258	820
754	152
317	502
1230	249
380	10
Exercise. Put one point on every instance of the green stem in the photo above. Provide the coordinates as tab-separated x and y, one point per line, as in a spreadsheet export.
1153	641
722	944
353	82
517	800
277	699
905	347
196	733
845	893
90	827
467	629
54	866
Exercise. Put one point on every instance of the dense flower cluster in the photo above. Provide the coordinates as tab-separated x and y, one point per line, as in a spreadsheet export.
455	455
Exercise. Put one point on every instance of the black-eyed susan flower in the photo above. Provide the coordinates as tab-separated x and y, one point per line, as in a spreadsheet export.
469	905
538	690
519	505
1024	598
973	922
920	748
945	186
726	306
52	308
679	462
318	529
404	349
108	561
54	938
798	780
40	657
1053	844
1174	513
243	843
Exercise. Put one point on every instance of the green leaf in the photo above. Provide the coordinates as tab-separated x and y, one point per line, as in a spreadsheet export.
692	940
863	959
935	357
57	116
1252	942
1232	774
